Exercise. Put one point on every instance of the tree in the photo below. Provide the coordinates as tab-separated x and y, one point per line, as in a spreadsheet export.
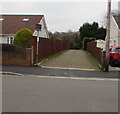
92	30
22	37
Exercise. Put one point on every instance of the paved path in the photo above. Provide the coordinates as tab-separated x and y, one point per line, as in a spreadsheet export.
73	59
60	72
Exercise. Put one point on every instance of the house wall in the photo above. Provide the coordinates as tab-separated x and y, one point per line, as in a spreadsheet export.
4	39
101	44
114	33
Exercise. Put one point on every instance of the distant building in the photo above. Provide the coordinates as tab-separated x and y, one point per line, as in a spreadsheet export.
10	24
101	44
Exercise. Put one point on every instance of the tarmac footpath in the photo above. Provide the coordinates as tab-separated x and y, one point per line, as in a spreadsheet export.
73	59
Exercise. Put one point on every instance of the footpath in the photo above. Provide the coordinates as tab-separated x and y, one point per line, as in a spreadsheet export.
73	59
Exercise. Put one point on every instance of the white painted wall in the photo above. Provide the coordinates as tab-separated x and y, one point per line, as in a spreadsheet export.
44	32
114	33
101	44
4	39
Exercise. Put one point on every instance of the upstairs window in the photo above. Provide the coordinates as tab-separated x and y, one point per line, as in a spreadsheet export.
25	20
1	19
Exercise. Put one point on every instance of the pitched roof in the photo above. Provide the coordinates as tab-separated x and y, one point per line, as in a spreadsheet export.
117	19
12	23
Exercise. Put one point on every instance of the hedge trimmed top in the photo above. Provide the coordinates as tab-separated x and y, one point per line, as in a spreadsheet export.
22	37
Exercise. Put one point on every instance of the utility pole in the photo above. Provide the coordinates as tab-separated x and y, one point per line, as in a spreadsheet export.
108	37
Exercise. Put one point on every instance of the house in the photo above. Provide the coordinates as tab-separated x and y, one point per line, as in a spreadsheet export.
10	24
100	44
115	31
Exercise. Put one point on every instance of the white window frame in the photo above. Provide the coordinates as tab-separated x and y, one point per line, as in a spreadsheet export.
10	40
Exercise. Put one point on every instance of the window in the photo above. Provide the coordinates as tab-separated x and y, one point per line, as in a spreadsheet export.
7	40
1	19
11	40
25	20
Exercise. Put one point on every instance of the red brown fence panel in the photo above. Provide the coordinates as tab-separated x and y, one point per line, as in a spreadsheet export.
48	47
94	50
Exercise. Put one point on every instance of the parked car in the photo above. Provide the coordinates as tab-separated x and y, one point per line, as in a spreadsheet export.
114	58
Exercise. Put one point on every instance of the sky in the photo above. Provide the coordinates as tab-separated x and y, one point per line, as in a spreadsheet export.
61	15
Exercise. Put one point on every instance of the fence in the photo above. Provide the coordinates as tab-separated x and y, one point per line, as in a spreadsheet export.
48	47
15	55
95	51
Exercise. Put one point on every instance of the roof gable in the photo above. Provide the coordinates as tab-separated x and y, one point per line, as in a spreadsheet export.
12	23
117	19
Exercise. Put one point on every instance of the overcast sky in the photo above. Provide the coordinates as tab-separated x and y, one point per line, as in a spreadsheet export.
61	15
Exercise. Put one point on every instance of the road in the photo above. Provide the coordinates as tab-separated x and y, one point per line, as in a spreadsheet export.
45	94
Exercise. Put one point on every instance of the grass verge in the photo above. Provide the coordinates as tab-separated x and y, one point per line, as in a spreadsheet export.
93	60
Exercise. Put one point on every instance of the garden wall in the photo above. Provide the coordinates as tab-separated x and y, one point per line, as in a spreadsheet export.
15	55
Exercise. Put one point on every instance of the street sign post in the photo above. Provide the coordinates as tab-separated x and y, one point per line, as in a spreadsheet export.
38	28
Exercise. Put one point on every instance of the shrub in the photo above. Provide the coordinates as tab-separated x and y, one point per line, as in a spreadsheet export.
22	37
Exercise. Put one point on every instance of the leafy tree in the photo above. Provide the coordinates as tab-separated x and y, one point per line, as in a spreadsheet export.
22	37
92	30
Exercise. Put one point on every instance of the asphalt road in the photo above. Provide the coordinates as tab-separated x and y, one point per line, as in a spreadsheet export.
61	72
40	94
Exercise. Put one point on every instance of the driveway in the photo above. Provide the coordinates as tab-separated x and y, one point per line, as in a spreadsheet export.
73	59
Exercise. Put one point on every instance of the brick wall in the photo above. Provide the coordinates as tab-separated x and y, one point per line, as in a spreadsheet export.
15	55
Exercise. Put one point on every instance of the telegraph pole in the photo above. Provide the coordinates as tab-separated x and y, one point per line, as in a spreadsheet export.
108	37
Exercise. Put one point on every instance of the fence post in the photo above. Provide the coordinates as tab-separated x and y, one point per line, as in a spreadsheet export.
103	60
32	55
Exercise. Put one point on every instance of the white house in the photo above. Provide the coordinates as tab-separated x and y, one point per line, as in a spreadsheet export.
10	24
101	44
115	31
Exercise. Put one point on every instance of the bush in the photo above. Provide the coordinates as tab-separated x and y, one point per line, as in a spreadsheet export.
22	38
87	39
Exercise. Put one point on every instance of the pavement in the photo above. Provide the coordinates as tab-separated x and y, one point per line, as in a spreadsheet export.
66	72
